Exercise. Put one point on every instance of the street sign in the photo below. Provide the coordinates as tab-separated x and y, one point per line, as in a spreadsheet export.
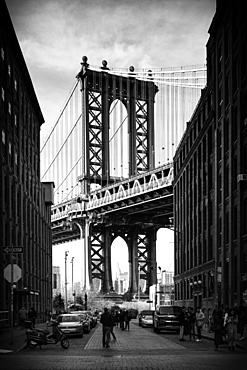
13	250
16	273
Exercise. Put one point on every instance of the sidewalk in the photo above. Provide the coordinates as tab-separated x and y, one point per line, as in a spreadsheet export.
239	343
19	336
18	339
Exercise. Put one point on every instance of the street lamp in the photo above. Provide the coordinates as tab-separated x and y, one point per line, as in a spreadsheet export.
66	304
139	281
72	262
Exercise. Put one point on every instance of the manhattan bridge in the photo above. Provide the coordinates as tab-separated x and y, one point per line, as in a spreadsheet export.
110	156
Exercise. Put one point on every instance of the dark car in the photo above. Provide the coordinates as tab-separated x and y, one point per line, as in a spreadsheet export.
144	313
85	319
166	318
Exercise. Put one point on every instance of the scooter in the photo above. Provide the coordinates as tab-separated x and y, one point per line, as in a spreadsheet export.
42	337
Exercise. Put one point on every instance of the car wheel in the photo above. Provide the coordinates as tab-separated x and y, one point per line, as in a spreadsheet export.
65	343
32	343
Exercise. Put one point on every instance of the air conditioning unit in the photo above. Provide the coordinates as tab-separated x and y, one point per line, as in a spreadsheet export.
242	177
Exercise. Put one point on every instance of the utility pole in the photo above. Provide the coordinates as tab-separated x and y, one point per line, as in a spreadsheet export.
66	303
73	294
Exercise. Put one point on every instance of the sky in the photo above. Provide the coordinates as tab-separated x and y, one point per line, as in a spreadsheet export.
55	34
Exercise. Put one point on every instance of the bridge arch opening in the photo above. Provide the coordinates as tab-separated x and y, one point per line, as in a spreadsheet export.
119	265
118	140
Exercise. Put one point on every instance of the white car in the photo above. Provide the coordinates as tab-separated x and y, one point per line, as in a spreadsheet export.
70	324
146	321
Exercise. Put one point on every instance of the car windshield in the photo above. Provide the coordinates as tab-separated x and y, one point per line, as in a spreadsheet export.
71	318
82	316
148	317
169	310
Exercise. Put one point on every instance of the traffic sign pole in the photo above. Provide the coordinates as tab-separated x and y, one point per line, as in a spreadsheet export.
11	298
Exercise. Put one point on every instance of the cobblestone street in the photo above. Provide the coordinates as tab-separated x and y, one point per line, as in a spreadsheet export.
138	348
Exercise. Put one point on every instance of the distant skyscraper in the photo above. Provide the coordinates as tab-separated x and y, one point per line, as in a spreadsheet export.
56	280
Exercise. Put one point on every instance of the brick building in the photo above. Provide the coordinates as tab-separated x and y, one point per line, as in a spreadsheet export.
210	189
25	203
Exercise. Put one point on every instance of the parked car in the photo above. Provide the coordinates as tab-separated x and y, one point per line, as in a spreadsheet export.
92	318
70	324
166	318
144	313
85	321
146	321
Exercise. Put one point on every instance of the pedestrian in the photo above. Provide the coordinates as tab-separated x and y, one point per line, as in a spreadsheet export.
121	319
117	318
22	314
241	321
181	319
199	323
32	314
217	328
192	320
107	322
232	329
113	324
127	319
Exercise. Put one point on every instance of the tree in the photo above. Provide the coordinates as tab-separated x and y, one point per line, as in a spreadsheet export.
58	303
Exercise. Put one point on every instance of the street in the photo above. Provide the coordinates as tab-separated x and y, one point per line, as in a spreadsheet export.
138	348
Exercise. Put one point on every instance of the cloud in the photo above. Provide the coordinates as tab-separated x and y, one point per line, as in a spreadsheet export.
54	35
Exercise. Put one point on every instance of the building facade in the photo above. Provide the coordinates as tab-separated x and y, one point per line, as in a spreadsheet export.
25	203
210	168
56	281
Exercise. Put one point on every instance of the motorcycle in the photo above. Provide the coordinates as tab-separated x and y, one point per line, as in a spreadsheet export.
39	337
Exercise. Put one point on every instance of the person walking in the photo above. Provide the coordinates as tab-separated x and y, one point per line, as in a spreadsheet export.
232	329
199	323
181	319
113	324
22	314
217	327
107	322
241	322
32	314
127	319
121	319
192	320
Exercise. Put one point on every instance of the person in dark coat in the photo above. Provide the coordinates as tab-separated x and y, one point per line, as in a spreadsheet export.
32	314
241	322
107	322
121	319
218	321
181	318
192	320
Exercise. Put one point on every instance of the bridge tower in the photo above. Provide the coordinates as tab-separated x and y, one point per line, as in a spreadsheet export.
99	90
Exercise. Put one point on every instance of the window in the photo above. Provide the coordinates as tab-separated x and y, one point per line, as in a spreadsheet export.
220	59
227	43
227	228
10	109
2	53
3	94
3	137
227	89
235	75
220	101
